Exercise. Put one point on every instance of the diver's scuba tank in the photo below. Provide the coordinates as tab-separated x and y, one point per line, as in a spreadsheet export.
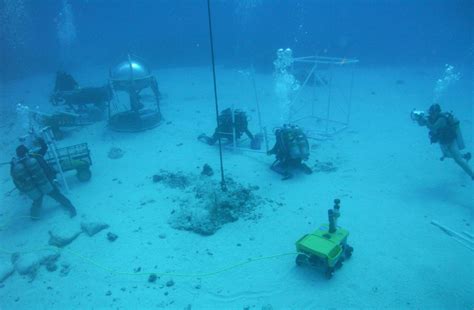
23	180
292	142
241	122
459	138
302	144
31	178
454	129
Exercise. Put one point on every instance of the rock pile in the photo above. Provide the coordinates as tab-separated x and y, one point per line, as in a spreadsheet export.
172	179
205	207
29	262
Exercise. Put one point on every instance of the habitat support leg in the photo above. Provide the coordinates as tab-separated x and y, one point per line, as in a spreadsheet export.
156	92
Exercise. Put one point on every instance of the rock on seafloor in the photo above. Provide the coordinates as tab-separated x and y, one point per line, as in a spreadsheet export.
29	263
60	237
92	228
115	153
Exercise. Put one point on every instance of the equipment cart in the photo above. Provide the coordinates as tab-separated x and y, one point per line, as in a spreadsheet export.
76	157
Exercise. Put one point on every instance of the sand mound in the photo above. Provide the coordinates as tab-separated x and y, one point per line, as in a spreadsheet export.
206	207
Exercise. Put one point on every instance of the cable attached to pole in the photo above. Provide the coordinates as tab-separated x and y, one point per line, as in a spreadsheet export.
223	184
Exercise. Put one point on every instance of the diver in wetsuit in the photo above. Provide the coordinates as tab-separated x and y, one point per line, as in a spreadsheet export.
64	82
444	129
32	175
291	149
67	91
225	129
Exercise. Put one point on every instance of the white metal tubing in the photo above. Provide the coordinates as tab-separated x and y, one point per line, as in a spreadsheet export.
350	97
53	149
256	101
301	89
321	119
325	58
340	63
329	100
328	61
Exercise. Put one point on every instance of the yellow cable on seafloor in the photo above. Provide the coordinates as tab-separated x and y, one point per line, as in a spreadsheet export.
123	273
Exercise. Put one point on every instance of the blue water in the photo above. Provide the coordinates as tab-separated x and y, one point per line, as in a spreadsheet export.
175	33
410	215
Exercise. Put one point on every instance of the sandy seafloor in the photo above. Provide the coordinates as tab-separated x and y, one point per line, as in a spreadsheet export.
389	178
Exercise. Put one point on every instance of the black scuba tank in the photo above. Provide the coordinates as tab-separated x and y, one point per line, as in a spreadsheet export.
293	148
448	133
303	145
31	178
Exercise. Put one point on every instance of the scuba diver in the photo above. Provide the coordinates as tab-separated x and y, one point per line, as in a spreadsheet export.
444	129
229	123
64	82
291	149
32	175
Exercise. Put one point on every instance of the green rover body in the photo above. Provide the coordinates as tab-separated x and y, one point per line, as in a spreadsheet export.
327	246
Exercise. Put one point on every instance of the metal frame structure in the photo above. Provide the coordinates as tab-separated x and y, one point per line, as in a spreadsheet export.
319	126
132	76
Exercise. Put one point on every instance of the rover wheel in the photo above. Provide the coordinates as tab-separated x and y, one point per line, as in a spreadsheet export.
301	259
329	273
313	260
348	251
83	174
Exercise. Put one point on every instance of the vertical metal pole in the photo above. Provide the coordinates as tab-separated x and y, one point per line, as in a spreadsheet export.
156	93
329	99
314	94
216	102
234	130
256	101
109	113
350	97
52	147
314	85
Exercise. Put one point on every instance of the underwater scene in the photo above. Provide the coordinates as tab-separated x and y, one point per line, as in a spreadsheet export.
236	154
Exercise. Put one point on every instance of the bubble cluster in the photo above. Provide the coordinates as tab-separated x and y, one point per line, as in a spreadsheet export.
65	26
449	77
26	118
285	83
23	112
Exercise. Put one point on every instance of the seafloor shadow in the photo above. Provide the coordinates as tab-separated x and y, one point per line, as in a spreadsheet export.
450	193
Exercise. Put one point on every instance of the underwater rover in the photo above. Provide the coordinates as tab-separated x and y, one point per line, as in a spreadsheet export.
327	246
